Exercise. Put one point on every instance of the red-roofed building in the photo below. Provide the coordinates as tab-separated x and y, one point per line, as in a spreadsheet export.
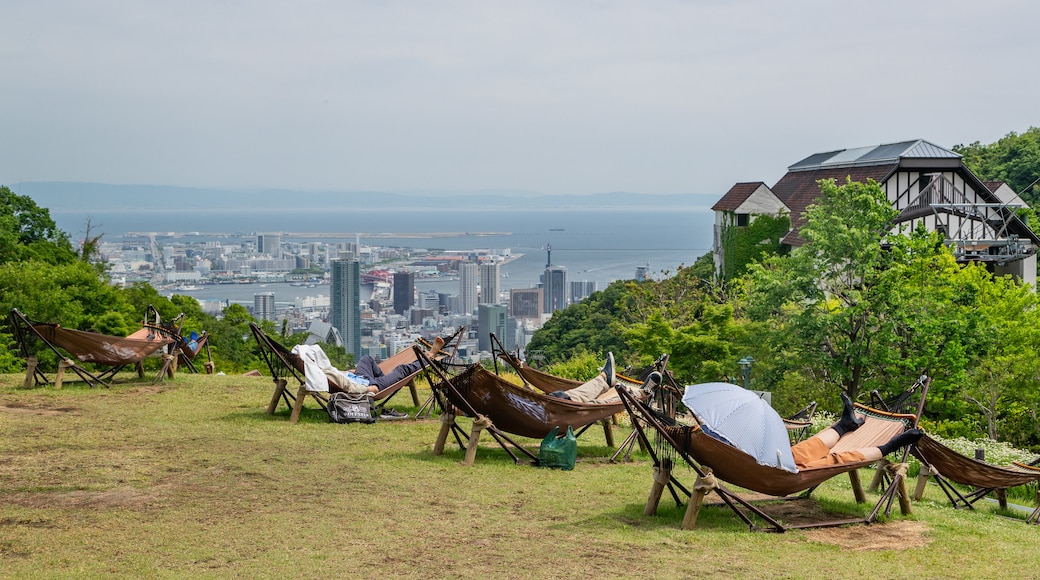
928	184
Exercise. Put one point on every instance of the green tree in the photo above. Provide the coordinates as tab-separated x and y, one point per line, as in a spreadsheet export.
1014	159
27	232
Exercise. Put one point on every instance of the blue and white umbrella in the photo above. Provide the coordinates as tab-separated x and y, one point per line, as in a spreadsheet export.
744	420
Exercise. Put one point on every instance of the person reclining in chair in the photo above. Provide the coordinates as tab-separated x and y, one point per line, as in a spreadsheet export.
816	450
593	391
368	368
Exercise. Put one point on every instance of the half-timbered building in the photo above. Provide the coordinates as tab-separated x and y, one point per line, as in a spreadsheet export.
928	184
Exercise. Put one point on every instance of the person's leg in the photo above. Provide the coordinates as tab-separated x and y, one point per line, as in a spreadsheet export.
400	372
368	368
587	392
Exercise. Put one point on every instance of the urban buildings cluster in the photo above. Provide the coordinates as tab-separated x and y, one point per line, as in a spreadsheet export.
366	297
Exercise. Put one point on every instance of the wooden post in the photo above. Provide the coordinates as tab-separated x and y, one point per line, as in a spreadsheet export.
608	432
298	404
857	486
140	369
1001	497
701	487
415	391
662	475
479	424
30	371
899	480
170	362
447	420
879	475
279	388
60	375
922	480
210	367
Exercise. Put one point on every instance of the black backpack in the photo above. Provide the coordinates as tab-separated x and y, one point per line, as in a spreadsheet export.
347	408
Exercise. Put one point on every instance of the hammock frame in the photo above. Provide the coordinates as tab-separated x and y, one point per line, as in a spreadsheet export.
185	354
112	352
706	481
284	366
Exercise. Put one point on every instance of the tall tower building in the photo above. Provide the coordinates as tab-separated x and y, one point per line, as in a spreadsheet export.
404	291
345	303
554	285
494	318
581	290
489	283
270	244
468	279
263	306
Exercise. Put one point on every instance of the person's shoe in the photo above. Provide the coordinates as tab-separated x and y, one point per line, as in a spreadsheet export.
908	437
849	422
608	370
560	395
435	349
653	380
392	414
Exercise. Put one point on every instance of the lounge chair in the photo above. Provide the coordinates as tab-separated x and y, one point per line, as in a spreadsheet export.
187	347
800	423
715	461
947	467
285	365
101	350
504	408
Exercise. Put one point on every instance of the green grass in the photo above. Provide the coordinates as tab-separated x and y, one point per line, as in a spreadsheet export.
192	478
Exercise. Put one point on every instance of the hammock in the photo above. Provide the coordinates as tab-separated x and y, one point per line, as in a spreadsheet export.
714	460
115	352
946	465
187	347
541	380
502	407
284	364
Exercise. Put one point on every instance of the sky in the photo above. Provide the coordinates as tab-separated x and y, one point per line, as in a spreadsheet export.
562	97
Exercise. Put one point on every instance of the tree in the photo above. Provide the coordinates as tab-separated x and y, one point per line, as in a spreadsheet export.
1014	159
28	232
842	303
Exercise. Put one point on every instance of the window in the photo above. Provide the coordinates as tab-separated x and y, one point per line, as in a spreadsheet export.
742	219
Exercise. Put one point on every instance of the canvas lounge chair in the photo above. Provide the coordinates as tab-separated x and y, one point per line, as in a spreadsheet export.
503	408
70	346
186	347
286	366
799	424
948	467
715	462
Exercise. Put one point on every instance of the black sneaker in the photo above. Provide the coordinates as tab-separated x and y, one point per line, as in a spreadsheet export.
608	370
392	414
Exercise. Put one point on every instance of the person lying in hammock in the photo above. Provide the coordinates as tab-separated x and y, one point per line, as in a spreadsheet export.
816	450
368	369
593	391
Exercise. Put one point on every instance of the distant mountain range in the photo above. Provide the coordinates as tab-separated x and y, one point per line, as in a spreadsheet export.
73	196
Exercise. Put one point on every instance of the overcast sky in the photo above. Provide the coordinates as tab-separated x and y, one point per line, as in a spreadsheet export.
552	97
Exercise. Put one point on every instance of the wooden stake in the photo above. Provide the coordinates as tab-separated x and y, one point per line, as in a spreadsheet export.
298	404
479	424
662	475
608	432
701	487
279	388
447	420
60	375
30	371
879	475
857	486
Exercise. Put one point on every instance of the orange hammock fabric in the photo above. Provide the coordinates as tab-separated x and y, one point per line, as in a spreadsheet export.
968	471
738	468
101	348
519	410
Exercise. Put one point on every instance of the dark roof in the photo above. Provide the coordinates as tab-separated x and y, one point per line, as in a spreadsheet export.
798	189
993	185
885	154
736	195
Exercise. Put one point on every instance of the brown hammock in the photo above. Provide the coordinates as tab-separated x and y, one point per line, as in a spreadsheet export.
186	353
734	466
948	465
714	460
541	380
115	352
283	364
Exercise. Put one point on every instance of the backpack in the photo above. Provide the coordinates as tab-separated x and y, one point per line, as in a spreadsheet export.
348	408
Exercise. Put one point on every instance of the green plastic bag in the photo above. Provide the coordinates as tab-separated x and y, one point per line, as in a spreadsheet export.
558	452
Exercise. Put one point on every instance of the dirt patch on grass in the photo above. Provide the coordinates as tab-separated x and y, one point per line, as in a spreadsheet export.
147	390
25	409
900	535
111	498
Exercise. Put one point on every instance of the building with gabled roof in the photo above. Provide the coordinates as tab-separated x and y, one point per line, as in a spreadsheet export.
928	184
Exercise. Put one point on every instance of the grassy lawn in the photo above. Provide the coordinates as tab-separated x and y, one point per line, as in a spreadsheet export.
191	478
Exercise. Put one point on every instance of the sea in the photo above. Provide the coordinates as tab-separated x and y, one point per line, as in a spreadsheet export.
594	244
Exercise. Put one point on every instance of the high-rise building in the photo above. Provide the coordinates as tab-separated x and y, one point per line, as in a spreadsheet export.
581	290
345	303
263	305
404	291
525	303
468	280
494	318
489	283
270	244
554	285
